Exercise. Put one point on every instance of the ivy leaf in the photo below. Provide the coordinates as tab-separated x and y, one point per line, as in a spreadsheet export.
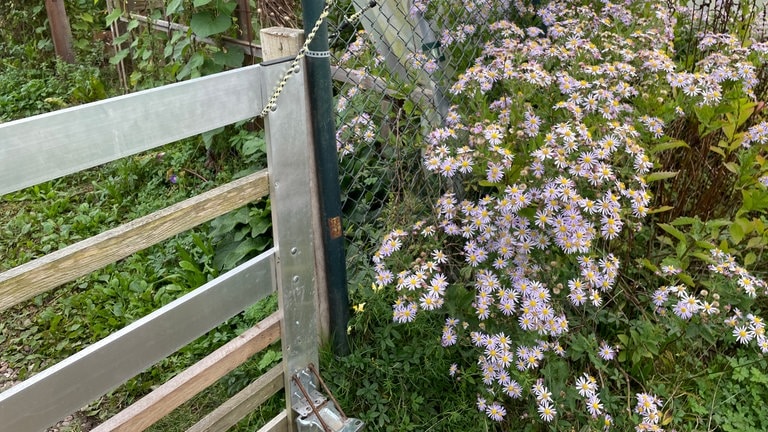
204	24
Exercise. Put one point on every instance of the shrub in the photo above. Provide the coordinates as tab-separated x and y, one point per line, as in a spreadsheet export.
552	264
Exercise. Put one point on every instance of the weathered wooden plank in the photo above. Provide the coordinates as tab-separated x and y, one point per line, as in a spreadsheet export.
278	424
38	276
48	146
195	379
243	403
62	389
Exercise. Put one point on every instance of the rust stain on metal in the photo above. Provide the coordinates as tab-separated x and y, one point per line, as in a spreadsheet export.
334	225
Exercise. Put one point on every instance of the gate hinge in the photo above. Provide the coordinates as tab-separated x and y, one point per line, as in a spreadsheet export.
316	411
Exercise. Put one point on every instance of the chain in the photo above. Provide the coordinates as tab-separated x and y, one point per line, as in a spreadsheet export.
272	104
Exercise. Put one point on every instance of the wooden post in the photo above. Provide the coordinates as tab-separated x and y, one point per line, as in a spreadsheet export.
60	30
245	26
279	42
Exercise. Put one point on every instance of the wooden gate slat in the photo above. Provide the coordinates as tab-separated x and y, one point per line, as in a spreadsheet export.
65	265
243	403
195	379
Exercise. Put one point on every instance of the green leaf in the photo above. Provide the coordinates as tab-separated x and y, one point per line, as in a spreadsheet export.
746	225
732	167
686	279
676	233
192	65
702	256
717	150
756	242
132	25
661	209
113	16
649	265
705	245
717	223
684	220
729	128
668	146
232	57
225	7
750	259
227	222
681	249
208	136
253	145
260	226
119	56
660	175
198	3
205	24
745	111
173	7
737	233
138	286
231	254
188	266
120	39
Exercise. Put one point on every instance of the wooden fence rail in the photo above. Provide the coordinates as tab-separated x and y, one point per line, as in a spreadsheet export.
67	264
52	145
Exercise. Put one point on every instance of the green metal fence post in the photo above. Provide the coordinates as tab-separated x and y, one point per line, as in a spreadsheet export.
318	65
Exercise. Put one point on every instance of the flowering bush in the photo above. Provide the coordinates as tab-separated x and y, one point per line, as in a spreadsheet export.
531	256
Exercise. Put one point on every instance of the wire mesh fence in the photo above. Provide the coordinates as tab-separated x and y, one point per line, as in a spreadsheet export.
394	64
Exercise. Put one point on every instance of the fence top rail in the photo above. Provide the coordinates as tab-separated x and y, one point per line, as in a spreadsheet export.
48	146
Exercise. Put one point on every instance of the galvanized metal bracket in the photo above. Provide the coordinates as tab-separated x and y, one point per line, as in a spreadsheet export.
316	408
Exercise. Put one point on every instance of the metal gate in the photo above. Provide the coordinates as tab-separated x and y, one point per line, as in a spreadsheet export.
52	145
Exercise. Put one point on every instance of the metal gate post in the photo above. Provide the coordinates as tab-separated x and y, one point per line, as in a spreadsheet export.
288	137
310	406
324	135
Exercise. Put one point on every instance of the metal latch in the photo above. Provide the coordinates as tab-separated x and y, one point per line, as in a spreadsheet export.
316	412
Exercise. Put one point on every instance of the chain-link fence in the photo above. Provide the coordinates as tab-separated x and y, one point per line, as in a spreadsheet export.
394	63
